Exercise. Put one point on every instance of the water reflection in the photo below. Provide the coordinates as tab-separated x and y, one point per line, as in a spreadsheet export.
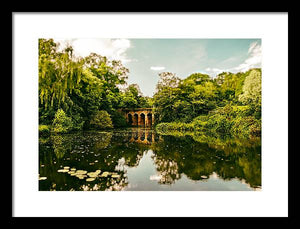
144	136
140	159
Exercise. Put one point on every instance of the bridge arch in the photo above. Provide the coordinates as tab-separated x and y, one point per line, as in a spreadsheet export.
135	119
130	119
138	116
149	119
142	119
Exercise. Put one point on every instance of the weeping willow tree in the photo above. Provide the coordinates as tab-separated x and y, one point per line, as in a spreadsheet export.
59	73
79	86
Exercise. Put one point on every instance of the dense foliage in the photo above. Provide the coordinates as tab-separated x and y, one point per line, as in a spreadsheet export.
73	90
62	123
101	120
229	104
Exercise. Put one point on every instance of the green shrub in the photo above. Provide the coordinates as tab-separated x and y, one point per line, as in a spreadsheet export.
255	129
223	125
225	121
118	119
200	123
162	127
78	122
44	130
219	124
202	118
61	123
101	120
242	111
246	127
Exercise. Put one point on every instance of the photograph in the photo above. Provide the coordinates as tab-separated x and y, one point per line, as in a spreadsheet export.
149	114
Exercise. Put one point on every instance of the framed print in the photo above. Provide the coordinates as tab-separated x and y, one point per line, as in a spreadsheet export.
145	109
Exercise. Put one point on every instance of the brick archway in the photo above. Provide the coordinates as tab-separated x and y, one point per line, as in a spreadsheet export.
138	116
142	120
129	119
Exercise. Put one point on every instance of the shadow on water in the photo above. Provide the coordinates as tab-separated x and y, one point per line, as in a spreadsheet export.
141	159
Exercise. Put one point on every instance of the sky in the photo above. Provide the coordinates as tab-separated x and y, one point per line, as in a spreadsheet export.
146	58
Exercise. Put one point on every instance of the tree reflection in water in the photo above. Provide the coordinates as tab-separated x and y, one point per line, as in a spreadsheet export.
175	155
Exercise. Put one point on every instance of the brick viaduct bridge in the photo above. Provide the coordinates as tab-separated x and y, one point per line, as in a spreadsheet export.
139	116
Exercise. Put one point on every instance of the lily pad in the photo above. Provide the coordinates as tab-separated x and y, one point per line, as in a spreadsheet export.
73	169
62	170
90	179
80	176
43	178
104	174
92	174
81	172
203	176
66	167
115	176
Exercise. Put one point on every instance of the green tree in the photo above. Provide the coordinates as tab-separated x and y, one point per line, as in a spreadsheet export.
59	73
167	80
61	123
252	92
80	87
252	88
101	120
183	100
133	97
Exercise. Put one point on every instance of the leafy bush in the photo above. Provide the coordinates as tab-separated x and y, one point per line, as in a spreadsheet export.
246	126
219	124
61	123
200	123
118	119
222	122
255	129
101	120
242	111
44	130
78	122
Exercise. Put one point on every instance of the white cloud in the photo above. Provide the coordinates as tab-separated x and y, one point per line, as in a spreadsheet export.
157	68
252	47
155	177
214	71
114	49
254	58
253	61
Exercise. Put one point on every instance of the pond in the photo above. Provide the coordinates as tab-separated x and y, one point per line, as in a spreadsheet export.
140	159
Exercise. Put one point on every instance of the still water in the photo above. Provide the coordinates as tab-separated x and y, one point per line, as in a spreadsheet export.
138	159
